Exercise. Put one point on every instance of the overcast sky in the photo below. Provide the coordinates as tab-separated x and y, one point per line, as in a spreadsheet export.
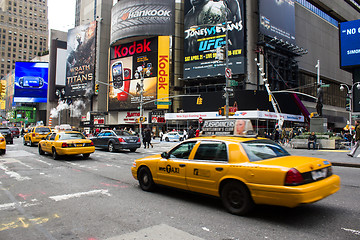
61	14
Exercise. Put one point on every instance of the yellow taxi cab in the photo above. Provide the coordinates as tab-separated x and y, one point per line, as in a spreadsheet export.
35	134
242	171
2	144
66	143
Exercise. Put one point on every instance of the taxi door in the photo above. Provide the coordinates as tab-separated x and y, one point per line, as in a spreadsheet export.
50	143
171	171
208	166
44	144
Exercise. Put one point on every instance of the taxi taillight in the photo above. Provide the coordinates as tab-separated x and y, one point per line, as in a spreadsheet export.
64	145
293	178
2	139
121	140
91	143
33	134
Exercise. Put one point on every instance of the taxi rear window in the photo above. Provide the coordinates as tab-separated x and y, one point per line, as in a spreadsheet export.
258	150
42	130
69	136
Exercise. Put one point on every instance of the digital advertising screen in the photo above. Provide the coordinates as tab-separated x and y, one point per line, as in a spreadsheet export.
206	24
80	63
31	82
126	60
350	44
277	19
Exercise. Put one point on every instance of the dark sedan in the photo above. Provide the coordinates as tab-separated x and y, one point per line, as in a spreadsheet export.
6	132
15	132
116	140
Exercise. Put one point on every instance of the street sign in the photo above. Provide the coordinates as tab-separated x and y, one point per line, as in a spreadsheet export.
233	83
228	72
228	89
231	95
162	103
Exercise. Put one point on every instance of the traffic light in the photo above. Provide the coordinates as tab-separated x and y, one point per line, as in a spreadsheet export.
2	89
199	101
347	105
222	111
96	89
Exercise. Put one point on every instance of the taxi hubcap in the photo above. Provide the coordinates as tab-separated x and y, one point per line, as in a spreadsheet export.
146	179
236	198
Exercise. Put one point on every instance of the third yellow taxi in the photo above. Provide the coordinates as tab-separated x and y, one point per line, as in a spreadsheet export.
242	171
66	143
2	144
35	134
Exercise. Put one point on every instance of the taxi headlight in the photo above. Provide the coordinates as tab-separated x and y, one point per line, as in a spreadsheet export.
134	164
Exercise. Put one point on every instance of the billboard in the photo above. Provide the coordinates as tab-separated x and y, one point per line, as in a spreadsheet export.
80	63
152	56
277	19
142	18
31	82
206	24
350	43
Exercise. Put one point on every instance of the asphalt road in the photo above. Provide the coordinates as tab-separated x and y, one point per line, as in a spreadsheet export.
94	199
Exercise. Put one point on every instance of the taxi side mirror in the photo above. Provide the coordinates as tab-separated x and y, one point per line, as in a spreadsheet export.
165	155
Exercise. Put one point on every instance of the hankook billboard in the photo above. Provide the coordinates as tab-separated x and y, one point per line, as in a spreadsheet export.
31	82
277	19
131	18
152	55
80	64
206	24
350	43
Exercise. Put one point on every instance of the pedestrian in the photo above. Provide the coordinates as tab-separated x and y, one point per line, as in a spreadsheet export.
276	135
185	134
357	139
197	133
191	132
161	134
147	138
312	140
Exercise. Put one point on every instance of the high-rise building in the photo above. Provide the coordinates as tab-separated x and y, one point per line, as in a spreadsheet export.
23	31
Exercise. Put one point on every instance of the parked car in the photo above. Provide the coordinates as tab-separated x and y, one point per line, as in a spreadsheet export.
15	131
173	136
66	143
6	132
240	171
35	134
116	140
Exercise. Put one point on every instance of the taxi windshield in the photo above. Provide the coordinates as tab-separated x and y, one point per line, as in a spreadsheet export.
42	130
258	150
69	136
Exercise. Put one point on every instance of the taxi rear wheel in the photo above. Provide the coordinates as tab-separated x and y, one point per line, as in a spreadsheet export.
55	155
86	155
145	179
41	152
24	142
236	198
31	143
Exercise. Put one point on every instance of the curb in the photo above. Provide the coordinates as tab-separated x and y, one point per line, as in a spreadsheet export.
354	165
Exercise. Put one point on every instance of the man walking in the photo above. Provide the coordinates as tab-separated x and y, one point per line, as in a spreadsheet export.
357	139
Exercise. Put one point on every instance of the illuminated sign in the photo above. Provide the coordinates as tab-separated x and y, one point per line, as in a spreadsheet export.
163	71
31	82
350	43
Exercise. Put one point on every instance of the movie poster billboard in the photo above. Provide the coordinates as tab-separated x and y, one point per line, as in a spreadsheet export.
130	18
31	82
126	60
350	43
206	24
80	63
277	19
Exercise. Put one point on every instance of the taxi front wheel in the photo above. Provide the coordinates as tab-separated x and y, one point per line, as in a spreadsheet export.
55	155
236	198
145	179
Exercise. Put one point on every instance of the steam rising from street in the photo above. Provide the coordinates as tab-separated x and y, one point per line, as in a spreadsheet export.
75	108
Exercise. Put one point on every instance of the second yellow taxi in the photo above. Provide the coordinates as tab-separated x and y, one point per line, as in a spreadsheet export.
242	171
66	143
35	134
2	144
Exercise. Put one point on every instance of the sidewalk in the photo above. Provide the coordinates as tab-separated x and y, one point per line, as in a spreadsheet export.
336	157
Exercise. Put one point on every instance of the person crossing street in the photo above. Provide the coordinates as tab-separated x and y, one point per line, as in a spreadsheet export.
357	139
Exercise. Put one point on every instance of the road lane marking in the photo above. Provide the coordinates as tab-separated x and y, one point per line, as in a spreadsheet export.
356	232
12	174
7	206
22	222
82	166
80	194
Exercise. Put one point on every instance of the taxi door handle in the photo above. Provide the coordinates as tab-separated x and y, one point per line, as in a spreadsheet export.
219	169
182	165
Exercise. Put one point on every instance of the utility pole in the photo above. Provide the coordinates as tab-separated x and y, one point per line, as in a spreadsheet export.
227	66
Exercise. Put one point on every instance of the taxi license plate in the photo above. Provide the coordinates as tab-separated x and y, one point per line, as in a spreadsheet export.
319	174
79	144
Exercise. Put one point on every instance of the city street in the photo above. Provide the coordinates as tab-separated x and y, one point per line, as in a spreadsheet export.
97	198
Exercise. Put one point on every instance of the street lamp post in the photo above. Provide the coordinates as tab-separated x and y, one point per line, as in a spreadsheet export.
60	94
350	94
140	74
227	66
